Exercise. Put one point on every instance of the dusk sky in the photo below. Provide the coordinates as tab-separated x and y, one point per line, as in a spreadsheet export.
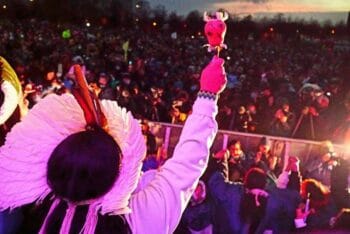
335	10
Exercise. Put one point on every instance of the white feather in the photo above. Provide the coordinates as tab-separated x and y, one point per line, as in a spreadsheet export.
29	145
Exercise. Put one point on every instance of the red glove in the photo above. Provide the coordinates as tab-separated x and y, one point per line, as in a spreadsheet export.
213	78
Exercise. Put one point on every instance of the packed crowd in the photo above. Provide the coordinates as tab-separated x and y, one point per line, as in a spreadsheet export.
249	192
287	87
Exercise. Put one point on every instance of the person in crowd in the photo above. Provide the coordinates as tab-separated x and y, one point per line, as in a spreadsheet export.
283	122
328	206
105	91
340	183
341	133
77	60
242	120
152	161
157	109
236	160
91	161
265	102
320	166
227	199
322	206
52	84
265	160
242	207
253	120
283	201
197	217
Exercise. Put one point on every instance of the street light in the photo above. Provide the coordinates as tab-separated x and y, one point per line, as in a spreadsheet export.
4	6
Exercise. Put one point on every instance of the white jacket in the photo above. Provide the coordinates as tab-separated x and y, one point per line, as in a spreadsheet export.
158	207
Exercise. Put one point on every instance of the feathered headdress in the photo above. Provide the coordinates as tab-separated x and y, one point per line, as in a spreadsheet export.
29	145
11	88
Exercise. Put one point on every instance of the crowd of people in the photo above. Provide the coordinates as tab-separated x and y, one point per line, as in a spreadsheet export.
286	87
251	192
293	87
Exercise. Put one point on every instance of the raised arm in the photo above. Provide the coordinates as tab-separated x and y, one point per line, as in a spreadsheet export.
158	207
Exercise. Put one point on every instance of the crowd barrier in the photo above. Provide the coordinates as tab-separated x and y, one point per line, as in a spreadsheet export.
167	135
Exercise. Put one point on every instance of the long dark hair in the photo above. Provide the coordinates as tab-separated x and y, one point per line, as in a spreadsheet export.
84	166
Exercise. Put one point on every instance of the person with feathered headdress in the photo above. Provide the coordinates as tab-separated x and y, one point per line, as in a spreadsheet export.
84	157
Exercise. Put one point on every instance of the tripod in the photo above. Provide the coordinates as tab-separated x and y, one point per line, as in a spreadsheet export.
307	111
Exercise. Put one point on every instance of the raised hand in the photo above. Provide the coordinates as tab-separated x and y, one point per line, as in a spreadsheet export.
213	78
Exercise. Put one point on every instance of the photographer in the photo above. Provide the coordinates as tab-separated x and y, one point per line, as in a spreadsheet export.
283	122
321	165
313	104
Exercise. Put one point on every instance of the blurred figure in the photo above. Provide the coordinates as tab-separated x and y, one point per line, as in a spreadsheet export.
265	101
197	217
322	207
283	201
105	91
239	206
242	120
253	120
341	133
151	161
77	60
283	122
265	160
321	165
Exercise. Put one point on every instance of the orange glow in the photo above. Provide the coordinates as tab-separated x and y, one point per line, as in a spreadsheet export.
284	6
154	24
